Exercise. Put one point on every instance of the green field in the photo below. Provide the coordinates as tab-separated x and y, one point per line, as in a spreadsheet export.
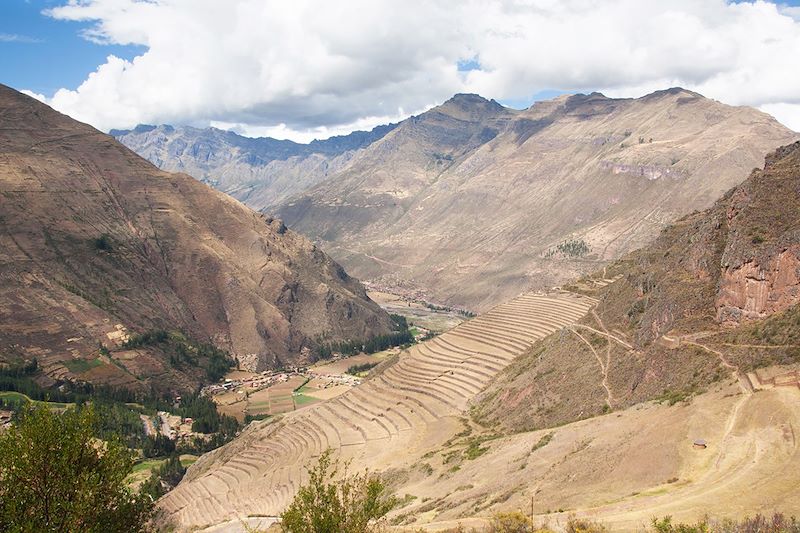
302	399
18	398
79	366
147	464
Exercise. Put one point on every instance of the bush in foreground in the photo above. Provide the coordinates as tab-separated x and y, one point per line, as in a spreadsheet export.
56	476
777	523
330	503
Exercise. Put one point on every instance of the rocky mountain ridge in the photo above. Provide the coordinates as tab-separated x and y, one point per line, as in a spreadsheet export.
258	171
473	202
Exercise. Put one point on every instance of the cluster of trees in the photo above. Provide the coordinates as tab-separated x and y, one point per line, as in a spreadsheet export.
164	478
115	419
570	248
116	411
399	337
205	417
462	312
19	378
375	344
357	369
182	351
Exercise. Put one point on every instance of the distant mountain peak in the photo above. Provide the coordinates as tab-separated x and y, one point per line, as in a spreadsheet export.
467	98
672	91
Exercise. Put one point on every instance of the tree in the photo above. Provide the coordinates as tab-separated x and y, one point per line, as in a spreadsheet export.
56	476
330	503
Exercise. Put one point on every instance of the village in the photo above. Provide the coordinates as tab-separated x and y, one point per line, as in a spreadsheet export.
251	396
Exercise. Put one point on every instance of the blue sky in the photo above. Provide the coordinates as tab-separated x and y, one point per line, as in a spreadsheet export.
42	54
251	67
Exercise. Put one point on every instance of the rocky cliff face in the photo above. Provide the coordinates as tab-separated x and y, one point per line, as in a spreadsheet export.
760	265
96	244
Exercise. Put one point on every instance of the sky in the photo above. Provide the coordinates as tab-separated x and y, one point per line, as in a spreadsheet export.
308	69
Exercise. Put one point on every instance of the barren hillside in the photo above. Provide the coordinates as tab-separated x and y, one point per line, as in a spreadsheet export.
588	401
715	293
97	244
472	202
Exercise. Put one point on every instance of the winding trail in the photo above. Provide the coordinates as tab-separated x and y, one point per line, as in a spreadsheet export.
603	368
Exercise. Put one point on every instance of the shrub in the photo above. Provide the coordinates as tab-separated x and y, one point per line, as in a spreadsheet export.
583	525
777	523
330	503
103	243
357	369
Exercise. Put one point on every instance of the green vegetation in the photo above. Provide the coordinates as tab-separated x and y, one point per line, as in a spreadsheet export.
569	248
205	417
183	351
462	312
330	503
164	478
544	441
517	522
401	336
474	450
252	418
117	411
103	243
671	397
358	369
303	399
777	523
79	366
56	477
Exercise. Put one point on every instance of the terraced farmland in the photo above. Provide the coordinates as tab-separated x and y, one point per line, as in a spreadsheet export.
408	410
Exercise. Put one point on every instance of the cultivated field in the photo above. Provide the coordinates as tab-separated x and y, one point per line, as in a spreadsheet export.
391	421
274	400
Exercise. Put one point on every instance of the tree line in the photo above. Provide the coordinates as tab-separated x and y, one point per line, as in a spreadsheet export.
399	337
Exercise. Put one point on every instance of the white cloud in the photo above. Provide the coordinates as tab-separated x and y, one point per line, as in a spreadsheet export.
788	114
17	38
307	68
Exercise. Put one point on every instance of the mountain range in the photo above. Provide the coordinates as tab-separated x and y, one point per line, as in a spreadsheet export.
471	202
260	172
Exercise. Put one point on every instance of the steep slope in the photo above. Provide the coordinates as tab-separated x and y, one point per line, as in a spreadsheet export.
97	244
470	201
259	172
714	295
